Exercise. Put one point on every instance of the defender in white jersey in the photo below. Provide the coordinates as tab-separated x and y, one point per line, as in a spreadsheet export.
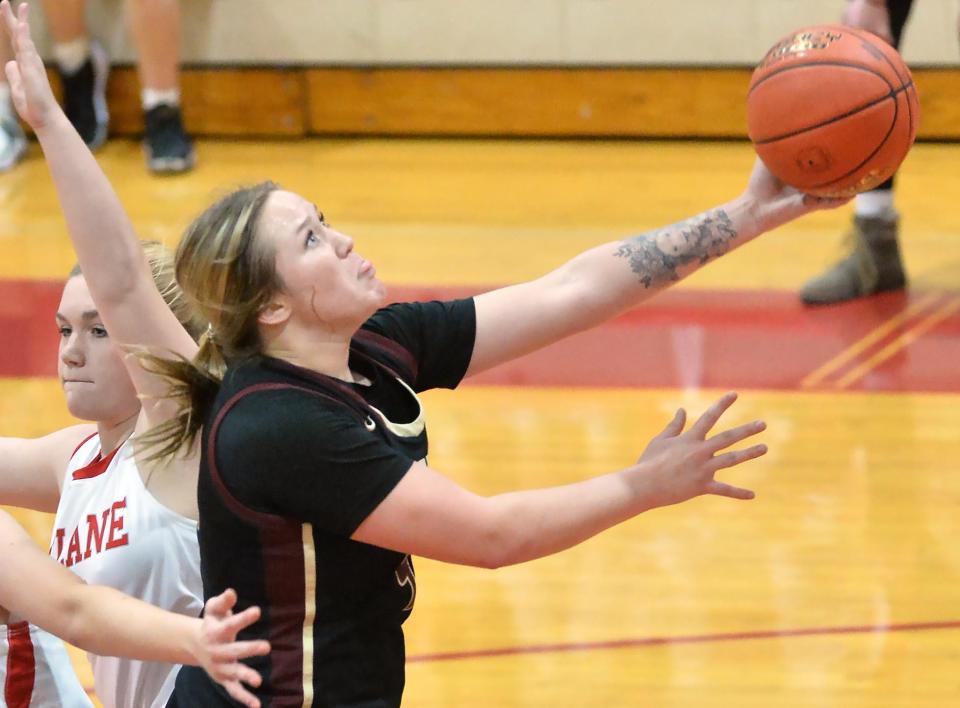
114	525
110	530
111	527
132	526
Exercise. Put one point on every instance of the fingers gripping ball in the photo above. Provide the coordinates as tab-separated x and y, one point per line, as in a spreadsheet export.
832	110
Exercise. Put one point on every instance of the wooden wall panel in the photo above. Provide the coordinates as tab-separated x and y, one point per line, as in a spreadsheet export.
702	103
221	102
545	102
552	102
939	103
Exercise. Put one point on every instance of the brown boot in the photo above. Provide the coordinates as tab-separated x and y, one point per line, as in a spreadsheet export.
874	266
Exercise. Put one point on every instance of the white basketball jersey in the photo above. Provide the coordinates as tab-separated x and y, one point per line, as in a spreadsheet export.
36	670
111	531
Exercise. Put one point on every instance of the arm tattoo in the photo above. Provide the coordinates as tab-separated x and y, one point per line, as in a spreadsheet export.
655	257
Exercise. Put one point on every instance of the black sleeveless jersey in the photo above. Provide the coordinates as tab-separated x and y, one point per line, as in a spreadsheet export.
292	463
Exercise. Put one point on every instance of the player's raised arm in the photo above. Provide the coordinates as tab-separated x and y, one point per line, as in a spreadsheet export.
109	252
609	279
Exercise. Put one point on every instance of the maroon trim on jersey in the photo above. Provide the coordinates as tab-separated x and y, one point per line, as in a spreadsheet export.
286	590
285	581
354	402
21	666
369	339
85	441
95	468
397	350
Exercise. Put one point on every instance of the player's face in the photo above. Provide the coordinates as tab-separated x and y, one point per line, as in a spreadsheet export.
325	281
94	379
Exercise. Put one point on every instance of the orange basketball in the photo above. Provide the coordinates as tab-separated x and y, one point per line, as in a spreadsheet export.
832	110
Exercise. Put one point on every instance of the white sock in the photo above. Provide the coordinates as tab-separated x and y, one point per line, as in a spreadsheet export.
875	203
6	105
151	98
71	55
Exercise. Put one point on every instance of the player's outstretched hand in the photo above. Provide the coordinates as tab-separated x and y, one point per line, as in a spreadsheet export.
29	86
218	652
682	464
775	203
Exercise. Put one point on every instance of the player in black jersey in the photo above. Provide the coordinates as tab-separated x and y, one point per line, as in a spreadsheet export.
286	530
314	491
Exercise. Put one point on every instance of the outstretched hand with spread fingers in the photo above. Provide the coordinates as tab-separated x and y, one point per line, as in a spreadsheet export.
218	652
682	464
29	86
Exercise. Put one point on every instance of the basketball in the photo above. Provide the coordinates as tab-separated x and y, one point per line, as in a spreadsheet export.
832	110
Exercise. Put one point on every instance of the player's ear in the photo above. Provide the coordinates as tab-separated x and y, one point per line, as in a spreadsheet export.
276	312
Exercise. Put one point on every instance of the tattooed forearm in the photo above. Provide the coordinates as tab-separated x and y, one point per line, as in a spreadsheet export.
656	257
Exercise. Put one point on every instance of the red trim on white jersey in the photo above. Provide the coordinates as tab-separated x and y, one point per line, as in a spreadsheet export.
96	468
21	666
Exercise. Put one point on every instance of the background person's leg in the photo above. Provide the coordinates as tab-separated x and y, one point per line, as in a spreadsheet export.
875	265
83	67
155	27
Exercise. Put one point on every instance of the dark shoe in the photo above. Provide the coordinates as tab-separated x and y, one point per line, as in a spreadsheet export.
168	147
85	97
875	265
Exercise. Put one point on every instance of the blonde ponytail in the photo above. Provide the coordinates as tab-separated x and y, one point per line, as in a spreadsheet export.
227	276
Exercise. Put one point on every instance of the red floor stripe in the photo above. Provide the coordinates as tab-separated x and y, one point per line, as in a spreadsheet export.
687	639
682	639
681	338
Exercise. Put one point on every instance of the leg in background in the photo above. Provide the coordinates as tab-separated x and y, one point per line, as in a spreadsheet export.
875	265
83	67
155	27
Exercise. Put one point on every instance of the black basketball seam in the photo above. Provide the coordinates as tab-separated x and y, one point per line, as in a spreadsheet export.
910	115
834	119
857	33
793	67
895	71
893	124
